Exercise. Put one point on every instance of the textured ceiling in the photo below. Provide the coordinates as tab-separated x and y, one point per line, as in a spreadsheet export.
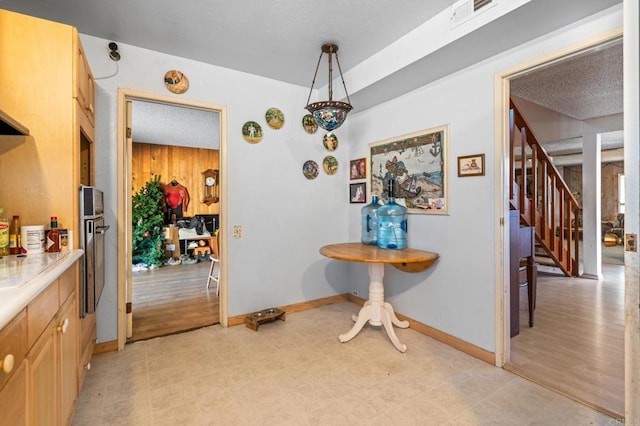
585	86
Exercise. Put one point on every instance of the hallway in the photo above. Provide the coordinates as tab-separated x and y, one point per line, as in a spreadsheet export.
576	346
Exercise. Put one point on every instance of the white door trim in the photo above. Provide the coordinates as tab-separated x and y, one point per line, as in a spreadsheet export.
124	200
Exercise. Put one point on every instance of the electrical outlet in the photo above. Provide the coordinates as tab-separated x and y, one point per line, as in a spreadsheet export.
355	293
236	231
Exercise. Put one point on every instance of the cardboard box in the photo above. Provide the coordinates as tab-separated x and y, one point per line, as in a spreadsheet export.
172	242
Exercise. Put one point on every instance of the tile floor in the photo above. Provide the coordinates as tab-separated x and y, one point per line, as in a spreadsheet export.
297	373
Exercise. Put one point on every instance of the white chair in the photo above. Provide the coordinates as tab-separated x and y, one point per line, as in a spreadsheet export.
214	270
214	274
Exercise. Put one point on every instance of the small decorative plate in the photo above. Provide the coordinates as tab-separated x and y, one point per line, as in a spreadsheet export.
309	124
176	82
310	169
252	132
274	117
330	141
330	164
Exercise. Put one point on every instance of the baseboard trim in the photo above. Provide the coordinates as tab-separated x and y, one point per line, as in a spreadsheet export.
447	339
103	347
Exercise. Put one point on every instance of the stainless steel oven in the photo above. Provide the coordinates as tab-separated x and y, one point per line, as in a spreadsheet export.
92	229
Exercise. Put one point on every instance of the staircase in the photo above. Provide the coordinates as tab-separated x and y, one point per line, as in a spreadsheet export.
541	196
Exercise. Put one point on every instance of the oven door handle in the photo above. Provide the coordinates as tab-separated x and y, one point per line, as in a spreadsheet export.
102	229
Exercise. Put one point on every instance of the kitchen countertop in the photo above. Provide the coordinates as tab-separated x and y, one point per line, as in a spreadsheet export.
22	278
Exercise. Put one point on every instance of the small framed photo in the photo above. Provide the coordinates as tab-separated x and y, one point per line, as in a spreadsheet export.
358	168
358	192
471	165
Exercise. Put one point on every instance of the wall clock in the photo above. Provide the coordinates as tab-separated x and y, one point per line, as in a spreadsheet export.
210	188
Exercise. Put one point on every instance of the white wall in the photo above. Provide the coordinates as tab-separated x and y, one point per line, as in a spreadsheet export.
285	217
457	294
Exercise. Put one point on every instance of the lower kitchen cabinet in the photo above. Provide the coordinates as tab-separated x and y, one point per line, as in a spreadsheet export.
53	372
13	398
39	358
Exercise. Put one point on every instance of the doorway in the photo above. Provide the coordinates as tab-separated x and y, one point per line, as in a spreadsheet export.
169	294
125	143
579	323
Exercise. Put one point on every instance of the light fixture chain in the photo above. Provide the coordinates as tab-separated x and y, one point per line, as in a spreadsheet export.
314	78
342	78
330	74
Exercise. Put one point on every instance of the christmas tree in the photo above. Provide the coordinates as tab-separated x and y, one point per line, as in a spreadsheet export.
148	223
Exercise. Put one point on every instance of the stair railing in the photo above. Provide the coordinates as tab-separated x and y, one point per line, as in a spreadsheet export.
544	200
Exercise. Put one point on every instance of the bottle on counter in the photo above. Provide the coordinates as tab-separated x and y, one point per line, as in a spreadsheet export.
14	236
4	234
53	236
392	223
369	213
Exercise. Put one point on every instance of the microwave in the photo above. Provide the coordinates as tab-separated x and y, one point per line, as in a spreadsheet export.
91	202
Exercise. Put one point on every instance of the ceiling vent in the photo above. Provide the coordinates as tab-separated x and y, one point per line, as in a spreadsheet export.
464	10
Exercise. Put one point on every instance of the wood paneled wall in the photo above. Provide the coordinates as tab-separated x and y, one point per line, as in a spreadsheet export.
609	186
181	163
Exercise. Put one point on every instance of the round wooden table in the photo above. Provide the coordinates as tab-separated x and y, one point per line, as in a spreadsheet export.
375	310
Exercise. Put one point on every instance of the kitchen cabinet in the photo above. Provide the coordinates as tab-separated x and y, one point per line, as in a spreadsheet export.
13	371
13	398
47	86
52	372
40	384
84	85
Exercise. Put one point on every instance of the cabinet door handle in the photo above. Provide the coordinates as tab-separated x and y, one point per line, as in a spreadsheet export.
64	326
6	364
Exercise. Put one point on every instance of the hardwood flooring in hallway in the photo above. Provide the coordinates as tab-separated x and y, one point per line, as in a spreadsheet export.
172	299
576	346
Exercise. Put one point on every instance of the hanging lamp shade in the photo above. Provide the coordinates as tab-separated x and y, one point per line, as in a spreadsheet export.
329	114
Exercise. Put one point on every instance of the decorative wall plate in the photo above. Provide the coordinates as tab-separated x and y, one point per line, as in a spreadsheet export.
176	81
310	169
274	117
330	141
252	132
309	124
330	164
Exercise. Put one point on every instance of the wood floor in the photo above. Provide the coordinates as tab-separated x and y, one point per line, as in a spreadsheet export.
576	346
172	299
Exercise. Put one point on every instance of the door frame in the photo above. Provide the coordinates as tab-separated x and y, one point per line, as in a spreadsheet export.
124	212
632	290
501	172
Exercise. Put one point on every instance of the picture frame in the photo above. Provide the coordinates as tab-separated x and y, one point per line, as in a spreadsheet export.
418	163
358	193
358	168
471	165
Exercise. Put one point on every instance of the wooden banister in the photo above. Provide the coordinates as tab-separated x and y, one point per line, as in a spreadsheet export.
542	197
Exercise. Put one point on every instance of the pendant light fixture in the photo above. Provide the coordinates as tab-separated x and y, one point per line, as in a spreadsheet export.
329	114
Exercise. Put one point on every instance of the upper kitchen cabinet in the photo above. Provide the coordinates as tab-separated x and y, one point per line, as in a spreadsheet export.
46	86
84	85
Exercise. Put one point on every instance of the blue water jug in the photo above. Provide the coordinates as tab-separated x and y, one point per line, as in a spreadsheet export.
392	223
369	230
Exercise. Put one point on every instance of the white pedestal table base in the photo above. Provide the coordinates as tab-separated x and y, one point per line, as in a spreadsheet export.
376	311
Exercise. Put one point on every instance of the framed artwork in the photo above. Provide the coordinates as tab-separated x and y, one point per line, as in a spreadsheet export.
358	192
358	168
418	165
471	165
